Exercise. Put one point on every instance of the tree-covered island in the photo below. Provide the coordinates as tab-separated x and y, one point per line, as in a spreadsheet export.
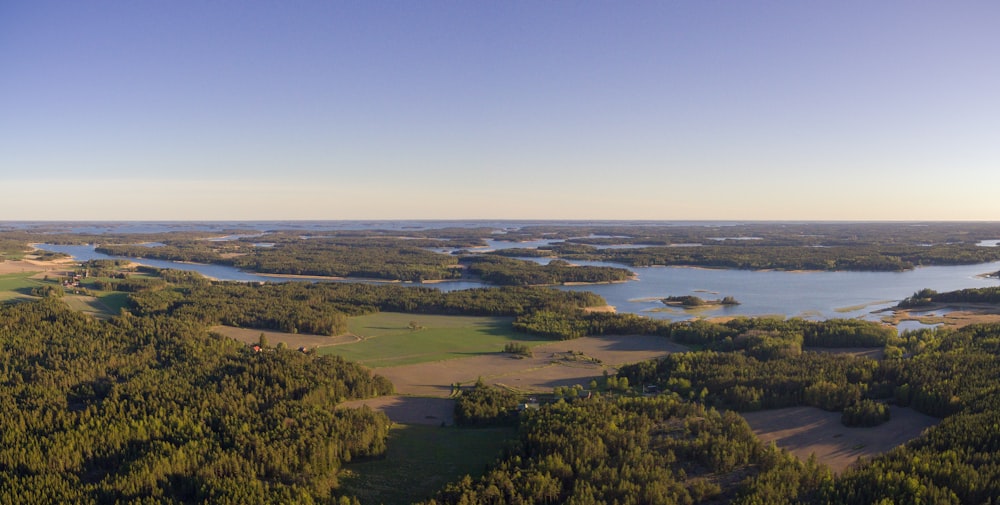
693	302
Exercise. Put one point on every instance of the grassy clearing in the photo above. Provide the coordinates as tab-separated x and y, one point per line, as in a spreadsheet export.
114	301
17	286
394	339
422	459
104	306
251	336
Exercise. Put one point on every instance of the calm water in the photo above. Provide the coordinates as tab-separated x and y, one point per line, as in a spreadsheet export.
806	294
220	272
816	295
905	326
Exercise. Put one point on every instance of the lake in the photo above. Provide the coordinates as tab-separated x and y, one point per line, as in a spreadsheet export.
814	295
220	272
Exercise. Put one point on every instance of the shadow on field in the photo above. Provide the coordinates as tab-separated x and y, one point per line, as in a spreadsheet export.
411	409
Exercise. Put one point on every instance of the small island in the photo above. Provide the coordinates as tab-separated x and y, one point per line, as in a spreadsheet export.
689	301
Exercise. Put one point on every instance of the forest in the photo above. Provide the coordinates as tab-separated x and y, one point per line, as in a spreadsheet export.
157	410
758	255
514	272
623	450
317	257
321	307
386	259
687	444
149	406
926	297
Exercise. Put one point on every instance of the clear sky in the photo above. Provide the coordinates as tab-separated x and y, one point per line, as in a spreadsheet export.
700	109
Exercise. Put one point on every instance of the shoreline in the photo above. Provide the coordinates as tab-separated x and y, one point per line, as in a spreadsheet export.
956	315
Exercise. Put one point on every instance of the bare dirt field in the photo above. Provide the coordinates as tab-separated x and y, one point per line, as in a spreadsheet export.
20	266
410	409
292	340
808	430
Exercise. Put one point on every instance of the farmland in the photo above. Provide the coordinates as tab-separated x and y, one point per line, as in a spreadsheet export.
388	339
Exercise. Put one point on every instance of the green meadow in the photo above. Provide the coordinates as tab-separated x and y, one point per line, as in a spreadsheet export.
421	460
17	286
104	304
394	339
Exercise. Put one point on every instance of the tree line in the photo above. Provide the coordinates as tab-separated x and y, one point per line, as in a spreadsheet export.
514	272
323	308
928	296
730	335
751	255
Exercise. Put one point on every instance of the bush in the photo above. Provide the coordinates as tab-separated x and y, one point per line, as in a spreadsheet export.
865	413
518	348
48	291
485	405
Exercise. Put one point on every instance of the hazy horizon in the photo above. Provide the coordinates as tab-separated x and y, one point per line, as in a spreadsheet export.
661	111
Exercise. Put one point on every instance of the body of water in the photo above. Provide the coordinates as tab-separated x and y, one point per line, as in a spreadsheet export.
905	326
219	272
815	295
819	295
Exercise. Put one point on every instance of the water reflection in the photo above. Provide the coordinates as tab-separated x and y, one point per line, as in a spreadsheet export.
911	325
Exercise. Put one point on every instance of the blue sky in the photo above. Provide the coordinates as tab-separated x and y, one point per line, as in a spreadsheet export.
216	109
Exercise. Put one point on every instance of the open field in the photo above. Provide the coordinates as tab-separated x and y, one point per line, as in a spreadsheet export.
104	306
410	409
292	340
423	389
809	430
562	363
14	286
28	265
387	339
422	459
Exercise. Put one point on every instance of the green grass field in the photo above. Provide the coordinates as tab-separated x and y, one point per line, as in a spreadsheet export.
422	459
106	304
15	286
389	340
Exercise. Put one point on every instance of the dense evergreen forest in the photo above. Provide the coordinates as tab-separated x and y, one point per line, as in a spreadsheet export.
157	410
621	450
973	295
512	272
